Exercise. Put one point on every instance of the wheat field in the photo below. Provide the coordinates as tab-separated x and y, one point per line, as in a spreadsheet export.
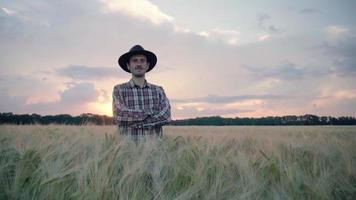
189	162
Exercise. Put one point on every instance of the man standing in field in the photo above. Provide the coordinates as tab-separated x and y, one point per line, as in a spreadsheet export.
140	109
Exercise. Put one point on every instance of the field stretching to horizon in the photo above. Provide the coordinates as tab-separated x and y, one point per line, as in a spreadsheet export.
190	162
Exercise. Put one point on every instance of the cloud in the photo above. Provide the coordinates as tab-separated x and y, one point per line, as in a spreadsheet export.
13	13
286	72
81	72
309	11
181	112
262	18
147	11
263	23
140	9
230	37
335	33
225	32
21	16
8	11
204	34
31	85
79	94
264	37
73	100
336	102
181	29
341	50
216	99
11	103
272	29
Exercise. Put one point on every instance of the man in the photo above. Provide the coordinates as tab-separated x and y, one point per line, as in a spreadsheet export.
140	109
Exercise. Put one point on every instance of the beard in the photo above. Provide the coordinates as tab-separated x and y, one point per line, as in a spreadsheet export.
139	75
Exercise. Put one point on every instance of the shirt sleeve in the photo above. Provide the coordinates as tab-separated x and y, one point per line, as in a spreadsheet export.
160	117
120	111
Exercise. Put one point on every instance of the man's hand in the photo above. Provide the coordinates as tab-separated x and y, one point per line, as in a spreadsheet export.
148	113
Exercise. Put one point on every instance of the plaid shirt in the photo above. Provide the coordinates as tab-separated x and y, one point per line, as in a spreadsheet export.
139	112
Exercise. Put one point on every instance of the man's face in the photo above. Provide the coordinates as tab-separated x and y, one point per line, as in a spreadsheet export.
138	65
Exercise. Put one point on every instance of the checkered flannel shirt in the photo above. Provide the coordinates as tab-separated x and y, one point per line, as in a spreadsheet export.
140	112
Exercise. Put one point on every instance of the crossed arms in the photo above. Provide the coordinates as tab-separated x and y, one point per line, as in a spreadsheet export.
138	118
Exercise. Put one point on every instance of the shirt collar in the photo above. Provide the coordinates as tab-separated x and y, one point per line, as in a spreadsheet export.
132	84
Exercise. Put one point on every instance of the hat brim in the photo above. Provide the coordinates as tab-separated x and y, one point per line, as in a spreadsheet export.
124	59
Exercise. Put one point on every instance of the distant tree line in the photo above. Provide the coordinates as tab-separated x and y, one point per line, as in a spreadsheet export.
270	120
85	118
94	119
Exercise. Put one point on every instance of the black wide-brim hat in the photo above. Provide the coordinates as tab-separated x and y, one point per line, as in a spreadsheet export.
137	49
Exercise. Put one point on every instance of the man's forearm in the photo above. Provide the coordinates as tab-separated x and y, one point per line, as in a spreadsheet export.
154	119
131	118
146	124
124	114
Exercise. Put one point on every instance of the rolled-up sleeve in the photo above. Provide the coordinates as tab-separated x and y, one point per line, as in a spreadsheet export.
164	112
121	112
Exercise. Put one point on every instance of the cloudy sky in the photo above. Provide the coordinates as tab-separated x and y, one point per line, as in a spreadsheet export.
229	58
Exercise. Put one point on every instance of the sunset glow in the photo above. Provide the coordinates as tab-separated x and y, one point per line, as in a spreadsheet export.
227	58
